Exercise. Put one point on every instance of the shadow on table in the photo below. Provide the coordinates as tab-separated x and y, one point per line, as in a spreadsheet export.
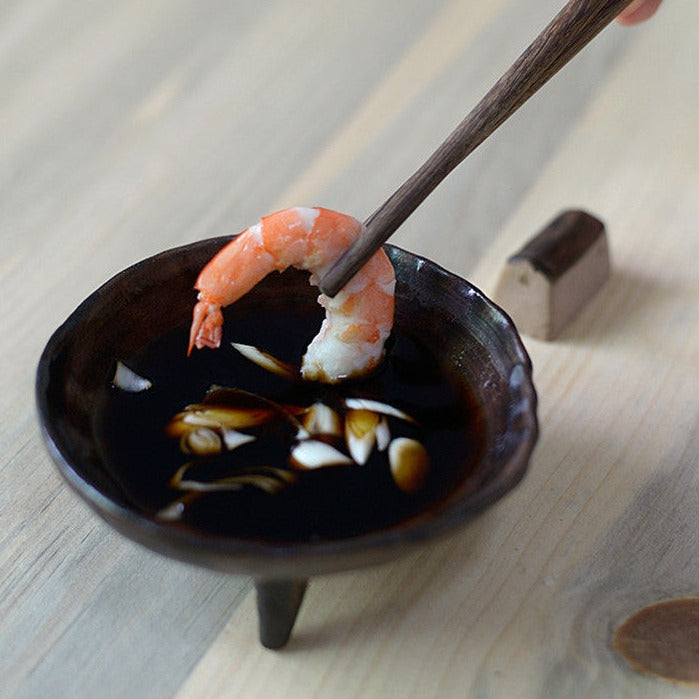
630	307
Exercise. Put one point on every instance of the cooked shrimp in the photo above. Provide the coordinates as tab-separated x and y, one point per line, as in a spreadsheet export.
358	319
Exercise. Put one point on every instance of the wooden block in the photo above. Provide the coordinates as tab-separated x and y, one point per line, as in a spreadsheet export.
546	284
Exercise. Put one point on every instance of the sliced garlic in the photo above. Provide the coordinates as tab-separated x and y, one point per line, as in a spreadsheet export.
201	441
266	478
235	418
214	486
172	512
128	380
360	433
217	418
310	454
178	475
200	418
234	439
377	407
266	360
409	462
322	419
383	434
267	483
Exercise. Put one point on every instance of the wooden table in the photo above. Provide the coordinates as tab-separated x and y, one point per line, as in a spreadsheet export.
130	127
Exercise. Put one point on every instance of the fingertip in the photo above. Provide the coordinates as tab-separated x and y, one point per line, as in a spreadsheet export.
638	12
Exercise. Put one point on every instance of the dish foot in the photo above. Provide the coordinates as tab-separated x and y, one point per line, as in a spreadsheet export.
278	603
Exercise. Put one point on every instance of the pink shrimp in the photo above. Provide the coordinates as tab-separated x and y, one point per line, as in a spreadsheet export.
358	319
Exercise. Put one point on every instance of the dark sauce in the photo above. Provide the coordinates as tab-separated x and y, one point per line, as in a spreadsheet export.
326	503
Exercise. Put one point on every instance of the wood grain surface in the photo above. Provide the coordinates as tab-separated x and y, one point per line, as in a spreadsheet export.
128	128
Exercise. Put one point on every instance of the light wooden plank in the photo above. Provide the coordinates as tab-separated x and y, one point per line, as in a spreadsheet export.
442	42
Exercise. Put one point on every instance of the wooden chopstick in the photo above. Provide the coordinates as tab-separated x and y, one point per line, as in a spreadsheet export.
570	30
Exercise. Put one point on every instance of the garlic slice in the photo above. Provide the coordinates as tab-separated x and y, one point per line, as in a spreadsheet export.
321	419
377	407
128	380
267	478
212	487
201	441
311	453
217	418
383	434
409	462
360	433
269	484
266	360
172	512
234	439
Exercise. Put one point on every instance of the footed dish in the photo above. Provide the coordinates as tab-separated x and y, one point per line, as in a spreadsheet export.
452	408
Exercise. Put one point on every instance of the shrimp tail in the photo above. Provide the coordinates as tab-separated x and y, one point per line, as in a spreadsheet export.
207	324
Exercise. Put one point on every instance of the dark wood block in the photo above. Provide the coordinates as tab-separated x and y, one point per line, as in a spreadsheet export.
546	284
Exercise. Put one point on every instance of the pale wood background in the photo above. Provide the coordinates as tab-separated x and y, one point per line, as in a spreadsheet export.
129	127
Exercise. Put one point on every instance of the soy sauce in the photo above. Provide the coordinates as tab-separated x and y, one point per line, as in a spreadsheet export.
327	503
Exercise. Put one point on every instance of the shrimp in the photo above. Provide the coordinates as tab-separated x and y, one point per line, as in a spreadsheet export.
358	319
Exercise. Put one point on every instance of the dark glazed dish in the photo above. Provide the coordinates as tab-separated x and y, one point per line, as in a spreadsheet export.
474	337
